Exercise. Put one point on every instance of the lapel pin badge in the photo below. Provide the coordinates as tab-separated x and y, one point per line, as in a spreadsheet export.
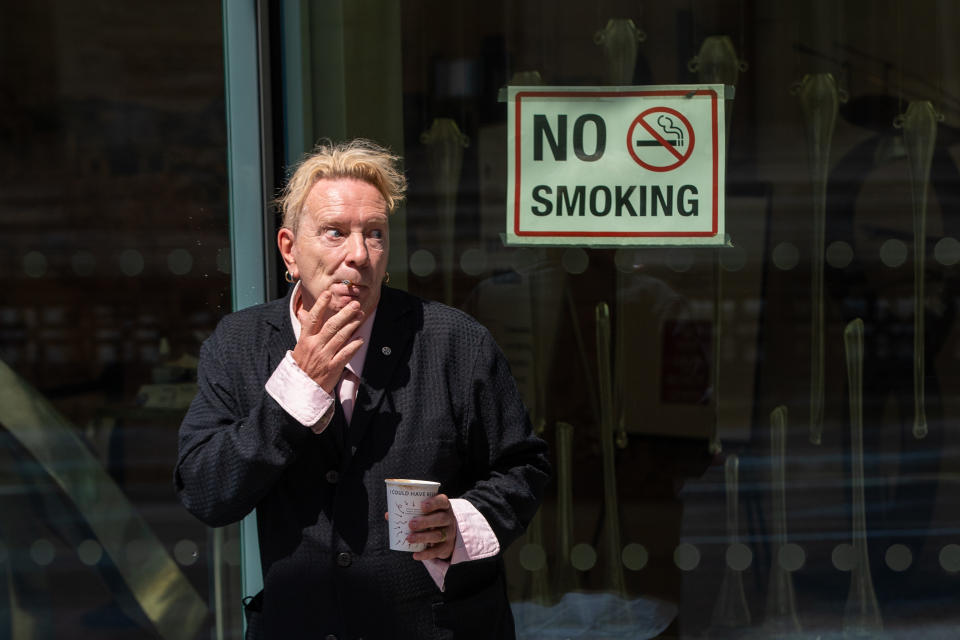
386	351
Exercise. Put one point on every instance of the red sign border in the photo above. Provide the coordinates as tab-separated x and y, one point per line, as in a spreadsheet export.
614	94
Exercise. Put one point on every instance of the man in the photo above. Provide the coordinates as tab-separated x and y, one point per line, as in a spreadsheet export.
306	404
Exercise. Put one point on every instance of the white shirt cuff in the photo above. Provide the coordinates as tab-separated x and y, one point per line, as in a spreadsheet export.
475	540
300	395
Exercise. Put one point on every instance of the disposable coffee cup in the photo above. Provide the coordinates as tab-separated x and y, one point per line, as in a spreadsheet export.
404	502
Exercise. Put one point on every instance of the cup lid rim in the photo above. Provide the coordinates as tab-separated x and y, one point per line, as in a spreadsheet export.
429	483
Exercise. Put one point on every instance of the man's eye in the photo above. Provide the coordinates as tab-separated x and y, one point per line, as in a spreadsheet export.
333	233
377	234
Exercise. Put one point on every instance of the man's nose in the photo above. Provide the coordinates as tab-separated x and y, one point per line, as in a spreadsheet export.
357	248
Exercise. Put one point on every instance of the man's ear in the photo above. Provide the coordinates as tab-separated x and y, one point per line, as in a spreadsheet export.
285	242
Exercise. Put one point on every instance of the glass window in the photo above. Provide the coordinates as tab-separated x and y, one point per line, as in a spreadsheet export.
757	438
754	437
114	264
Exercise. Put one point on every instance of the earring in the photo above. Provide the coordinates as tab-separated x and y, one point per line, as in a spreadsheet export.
289	278
386	277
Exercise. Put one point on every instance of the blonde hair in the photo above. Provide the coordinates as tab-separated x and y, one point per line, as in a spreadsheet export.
359	159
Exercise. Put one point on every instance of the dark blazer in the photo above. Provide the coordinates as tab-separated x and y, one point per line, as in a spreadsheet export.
436	402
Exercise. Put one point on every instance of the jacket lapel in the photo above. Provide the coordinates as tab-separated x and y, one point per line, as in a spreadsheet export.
282	338
393	330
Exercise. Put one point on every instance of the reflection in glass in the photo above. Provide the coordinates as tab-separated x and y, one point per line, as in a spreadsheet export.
839	254
180	262
532	558
152	586
473	262
717	63
686	556
919	125
575	261
819	99
131	262
893	253
35	264
770	161
785	256
583	556
634	556
422	263
781	615
524	313
731	610
620	40
611	508
566	575
733	258
84	263
862	613
842	557
949	558
898	557
445	146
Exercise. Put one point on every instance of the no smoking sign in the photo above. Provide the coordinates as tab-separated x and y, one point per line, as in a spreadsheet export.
616	166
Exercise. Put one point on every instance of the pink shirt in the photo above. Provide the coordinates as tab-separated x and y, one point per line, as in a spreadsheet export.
311	406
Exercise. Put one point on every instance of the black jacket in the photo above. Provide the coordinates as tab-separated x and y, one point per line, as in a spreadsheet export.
436	402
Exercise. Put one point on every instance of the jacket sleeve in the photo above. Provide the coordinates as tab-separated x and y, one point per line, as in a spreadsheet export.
508	461
234	442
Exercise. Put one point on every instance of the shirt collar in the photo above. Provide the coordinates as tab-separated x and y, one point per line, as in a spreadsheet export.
364	331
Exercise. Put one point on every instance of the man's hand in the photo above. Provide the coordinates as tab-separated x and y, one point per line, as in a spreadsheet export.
325	347
437	527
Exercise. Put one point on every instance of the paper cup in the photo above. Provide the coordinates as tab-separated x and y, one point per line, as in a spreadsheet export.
404	498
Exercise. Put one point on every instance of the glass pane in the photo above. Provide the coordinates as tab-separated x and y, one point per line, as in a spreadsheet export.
114	259
779	456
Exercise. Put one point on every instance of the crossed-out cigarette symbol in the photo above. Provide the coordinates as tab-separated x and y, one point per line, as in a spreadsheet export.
660	128
669	128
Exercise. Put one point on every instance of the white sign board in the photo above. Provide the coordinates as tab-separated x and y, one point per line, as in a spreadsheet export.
601	166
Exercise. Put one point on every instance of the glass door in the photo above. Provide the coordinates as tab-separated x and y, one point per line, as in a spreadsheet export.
115	264
757	437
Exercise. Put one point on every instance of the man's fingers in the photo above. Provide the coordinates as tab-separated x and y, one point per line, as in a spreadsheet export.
311	321
440	543
438	514
345	353
430	521
306	321
342	324
326	346
437	528
439	502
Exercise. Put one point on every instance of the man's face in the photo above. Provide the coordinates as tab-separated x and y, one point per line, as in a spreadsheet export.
343	235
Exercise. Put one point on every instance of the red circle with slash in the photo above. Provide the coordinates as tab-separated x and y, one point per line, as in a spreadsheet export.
656	147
